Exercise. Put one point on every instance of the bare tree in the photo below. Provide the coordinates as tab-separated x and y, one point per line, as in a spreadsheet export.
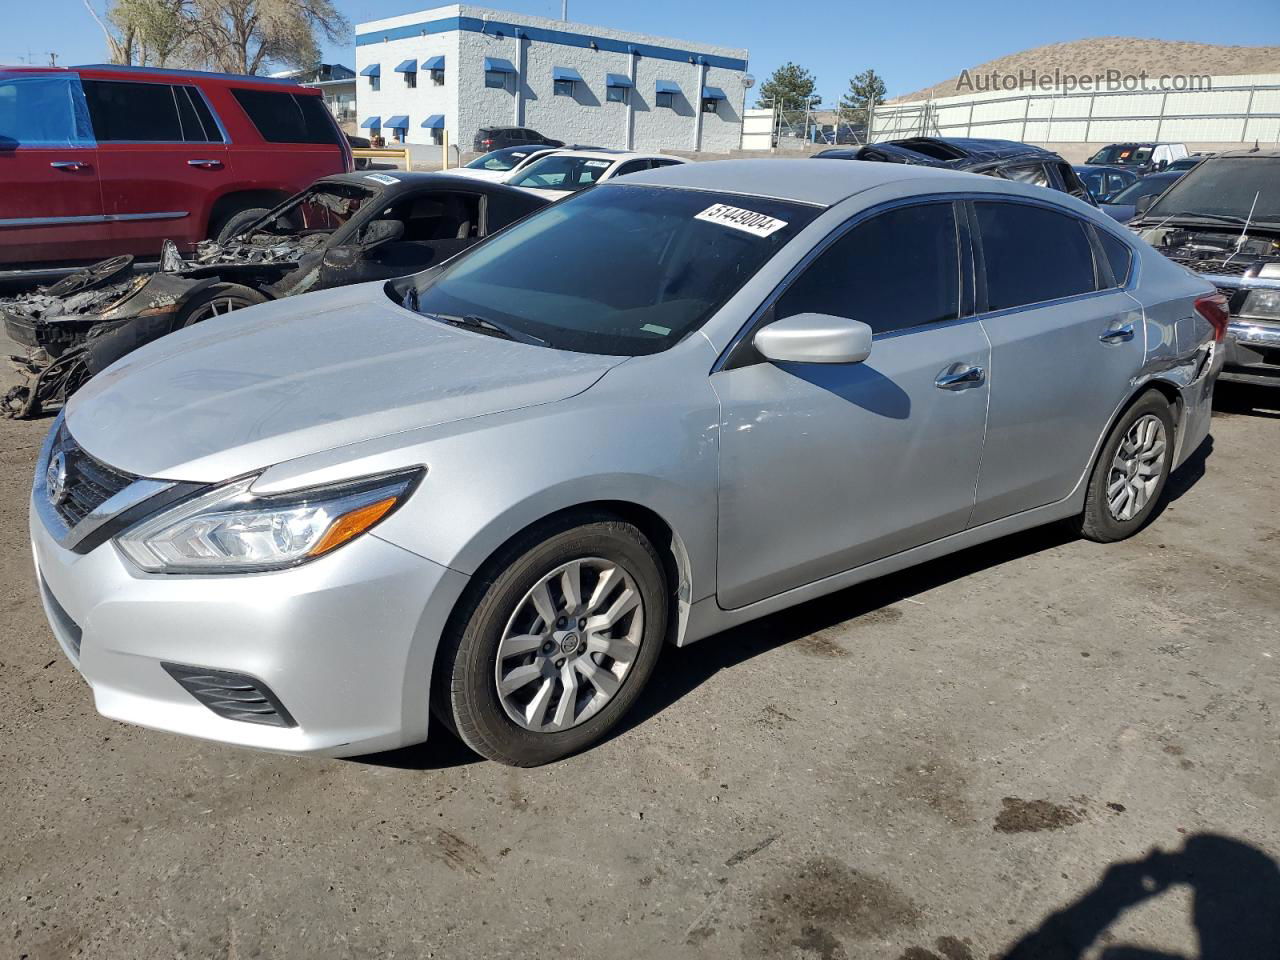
119	44
158	30
244	36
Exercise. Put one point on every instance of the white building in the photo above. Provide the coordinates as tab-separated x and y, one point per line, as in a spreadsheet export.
459	68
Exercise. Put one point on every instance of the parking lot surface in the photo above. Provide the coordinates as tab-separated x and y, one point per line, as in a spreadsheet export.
974	758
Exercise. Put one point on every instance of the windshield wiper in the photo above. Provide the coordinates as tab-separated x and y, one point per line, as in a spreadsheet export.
483	325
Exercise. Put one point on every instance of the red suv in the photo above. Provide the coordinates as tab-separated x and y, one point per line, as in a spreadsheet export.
103	160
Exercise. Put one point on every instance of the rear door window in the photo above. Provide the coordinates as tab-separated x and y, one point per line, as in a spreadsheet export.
899	269
128	112
1033	254
282	117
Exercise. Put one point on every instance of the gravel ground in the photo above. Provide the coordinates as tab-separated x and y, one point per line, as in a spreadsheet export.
974	758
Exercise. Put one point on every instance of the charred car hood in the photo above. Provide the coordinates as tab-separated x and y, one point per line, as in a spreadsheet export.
294	377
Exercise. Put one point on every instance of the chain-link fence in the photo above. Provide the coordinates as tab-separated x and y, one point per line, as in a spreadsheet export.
799	126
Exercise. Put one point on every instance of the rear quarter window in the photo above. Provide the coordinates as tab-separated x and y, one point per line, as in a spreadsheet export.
282	117
1118	255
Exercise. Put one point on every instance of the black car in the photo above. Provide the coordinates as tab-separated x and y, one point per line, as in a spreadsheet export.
1222	220
1140	157
343	229
1104	182
495	138
1124	205
994	158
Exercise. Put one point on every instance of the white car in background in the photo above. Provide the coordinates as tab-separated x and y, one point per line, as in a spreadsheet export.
562	172
496	165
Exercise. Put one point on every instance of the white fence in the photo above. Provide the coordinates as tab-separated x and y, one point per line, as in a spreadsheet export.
1228	110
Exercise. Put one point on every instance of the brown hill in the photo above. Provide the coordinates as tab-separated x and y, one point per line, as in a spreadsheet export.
1128	54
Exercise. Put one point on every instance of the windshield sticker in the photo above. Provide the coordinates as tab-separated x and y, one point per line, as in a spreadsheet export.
596	163
381	178
654	328
748	221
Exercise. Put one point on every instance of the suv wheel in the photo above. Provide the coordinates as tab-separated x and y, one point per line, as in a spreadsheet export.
557	645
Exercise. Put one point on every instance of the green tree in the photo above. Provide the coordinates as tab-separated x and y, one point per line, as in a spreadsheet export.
789	88
865	90
155	32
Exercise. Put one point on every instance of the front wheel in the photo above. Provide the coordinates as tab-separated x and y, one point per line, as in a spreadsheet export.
216	300
552	651
1130	475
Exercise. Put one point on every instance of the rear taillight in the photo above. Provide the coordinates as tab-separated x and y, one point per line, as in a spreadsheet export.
1213	307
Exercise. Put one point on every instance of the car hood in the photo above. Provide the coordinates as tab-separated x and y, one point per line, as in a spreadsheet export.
298	376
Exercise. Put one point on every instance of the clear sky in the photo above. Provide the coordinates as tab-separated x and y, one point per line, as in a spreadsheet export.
911	44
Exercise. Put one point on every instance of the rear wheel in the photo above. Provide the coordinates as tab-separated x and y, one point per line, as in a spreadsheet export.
216	300
551	651
1130	475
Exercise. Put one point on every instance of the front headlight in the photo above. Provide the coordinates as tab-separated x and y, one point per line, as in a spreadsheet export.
1262	304
229	530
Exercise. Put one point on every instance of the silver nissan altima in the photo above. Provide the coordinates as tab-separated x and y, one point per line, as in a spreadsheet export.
487	495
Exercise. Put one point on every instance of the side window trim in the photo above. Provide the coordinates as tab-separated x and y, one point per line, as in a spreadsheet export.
983	305
741	353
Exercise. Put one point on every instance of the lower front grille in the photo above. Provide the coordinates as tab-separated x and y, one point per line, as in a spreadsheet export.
232	696
67	629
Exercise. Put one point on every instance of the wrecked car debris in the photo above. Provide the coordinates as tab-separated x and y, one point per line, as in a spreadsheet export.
341	230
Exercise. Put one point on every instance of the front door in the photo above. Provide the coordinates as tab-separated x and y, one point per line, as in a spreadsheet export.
1066	341
824	467
50	197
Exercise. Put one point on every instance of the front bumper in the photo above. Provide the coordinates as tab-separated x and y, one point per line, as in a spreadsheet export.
345	642
1252	352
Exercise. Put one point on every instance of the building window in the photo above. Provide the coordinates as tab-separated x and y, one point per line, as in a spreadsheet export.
562	88
437	77
710	106
495	79
663	99
375	83
616	94
411	80
437	137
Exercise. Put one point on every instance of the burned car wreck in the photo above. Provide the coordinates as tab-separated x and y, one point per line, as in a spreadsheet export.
1222	220
341	230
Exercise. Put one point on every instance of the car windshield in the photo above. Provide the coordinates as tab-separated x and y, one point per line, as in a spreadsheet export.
1093	182
323	208
562	172
1225	187
622	270
1123	154
1146	187
500	160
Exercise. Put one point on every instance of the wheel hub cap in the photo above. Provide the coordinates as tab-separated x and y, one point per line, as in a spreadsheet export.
569	645
1137	468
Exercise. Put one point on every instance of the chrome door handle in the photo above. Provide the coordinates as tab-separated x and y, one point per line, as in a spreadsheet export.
1118	334
958	377
69	165
205	164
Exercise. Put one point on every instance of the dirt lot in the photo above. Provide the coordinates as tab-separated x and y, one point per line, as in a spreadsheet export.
963	761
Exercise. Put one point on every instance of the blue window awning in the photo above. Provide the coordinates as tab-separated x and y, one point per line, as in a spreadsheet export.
434	122
371	123
566	73
434	63
498	65
666	86
407	66
399	122
372	70
713	93
618	80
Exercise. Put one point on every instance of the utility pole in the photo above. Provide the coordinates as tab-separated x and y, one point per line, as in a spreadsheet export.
53	58
564	9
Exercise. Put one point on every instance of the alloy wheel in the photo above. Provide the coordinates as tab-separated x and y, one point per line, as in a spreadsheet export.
1136	468
569	645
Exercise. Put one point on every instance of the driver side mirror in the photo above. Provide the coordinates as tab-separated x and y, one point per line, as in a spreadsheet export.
1161	164
380	232
1143	204
814	338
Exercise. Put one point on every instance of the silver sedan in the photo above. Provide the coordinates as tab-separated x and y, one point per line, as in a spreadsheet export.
487	495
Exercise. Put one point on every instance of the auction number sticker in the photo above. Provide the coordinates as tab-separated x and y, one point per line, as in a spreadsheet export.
748	221
596	164
381	178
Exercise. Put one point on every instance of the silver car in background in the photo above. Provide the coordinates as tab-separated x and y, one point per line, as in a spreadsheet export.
488	494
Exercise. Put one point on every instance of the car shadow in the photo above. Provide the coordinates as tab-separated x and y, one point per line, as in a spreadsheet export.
1241	399
680	671
1235	892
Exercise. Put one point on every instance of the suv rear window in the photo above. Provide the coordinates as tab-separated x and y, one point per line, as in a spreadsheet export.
287	117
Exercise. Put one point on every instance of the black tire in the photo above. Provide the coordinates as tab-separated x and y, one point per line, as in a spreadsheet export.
1098	523
465	694
214	300
236	222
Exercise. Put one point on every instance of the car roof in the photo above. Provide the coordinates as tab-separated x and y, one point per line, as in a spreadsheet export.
405	182
799	180
1109	167
1266	154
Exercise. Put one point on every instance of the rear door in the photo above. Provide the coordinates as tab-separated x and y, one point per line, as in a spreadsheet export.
160	161
50	195
1066	341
